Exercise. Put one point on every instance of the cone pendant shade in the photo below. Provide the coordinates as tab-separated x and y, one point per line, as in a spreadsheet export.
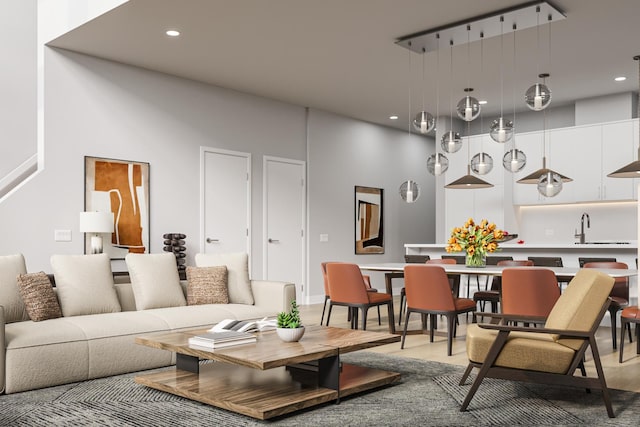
534	177
469	182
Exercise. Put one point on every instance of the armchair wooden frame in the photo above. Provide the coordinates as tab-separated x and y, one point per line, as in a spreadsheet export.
489	370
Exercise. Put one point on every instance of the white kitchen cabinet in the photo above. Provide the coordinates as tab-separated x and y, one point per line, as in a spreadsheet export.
531	144
618	151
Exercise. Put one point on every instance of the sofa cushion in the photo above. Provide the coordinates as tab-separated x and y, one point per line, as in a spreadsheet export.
10	267
207	285
84	284
155	280
237	264
39	297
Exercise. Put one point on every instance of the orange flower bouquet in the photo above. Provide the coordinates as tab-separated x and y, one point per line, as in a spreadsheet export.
476	240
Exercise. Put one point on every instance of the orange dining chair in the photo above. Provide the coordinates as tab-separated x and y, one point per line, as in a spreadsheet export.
629	315
347	288
529	292
367	282
429	292
492	295
455	283
619	294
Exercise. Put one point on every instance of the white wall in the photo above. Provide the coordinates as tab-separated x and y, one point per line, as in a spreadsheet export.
344	153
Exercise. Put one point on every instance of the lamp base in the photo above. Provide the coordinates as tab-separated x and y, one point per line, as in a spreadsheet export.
96	244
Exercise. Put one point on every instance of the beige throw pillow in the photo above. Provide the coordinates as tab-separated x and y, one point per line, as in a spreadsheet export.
238	281
85	284
10	267
207	285
39	297
155	280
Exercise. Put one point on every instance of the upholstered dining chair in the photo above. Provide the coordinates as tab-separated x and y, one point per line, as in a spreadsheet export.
529	292
619	294
367	282
549	355
492	295
429	293
628	316
347	288
454	281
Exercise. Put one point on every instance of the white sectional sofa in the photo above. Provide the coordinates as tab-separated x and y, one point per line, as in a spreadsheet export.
78	347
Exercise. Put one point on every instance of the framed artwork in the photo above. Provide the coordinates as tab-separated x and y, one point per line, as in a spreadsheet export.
369	224
122	188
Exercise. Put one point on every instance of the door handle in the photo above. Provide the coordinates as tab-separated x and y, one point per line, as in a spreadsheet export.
210	240
273	240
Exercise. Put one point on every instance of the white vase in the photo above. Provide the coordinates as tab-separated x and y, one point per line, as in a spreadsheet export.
290	334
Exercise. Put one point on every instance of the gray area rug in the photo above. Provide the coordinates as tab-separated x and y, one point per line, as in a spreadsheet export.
427	395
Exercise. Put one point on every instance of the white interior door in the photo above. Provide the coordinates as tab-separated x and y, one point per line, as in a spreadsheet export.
226	201
284	221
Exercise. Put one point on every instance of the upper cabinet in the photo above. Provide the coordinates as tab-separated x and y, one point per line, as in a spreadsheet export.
586	154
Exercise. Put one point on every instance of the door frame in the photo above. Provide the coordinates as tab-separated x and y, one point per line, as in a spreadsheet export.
247	156
265	237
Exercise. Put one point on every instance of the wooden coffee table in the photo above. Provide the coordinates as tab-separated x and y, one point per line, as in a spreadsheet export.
270	377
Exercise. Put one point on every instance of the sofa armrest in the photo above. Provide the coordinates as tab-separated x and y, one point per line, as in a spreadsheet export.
2	353
274	296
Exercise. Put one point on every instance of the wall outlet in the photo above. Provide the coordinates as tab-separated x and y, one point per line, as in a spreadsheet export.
62	235
324	237
549	232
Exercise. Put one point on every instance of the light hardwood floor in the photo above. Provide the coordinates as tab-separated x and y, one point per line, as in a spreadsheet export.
623	376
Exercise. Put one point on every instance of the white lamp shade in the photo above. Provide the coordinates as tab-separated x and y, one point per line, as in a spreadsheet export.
96	222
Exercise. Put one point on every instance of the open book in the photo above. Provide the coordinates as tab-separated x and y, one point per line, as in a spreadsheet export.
265	324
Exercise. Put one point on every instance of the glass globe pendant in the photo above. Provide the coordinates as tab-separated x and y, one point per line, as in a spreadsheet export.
437	164
409	191
550	184
538	96
514	160
424	122
468	108
451	142
501	130
481	163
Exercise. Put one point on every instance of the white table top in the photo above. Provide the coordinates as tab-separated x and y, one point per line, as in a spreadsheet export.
491	270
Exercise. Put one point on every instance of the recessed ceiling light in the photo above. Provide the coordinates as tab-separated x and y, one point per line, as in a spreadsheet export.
172	33
620	79
393	117
483	102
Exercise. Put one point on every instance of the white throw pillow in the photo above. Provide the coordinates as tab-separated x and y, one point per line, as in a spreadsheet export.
10	267
238	281
155	280
85	284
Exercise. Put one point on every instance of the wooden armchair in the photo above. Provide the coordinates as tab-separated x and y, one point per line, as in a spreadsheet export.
548	355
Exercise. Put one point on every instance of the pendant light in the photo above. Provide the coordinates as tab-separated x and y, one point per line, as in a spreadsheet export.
501	129
514	160
538	96
468	108
424	121
437	163
451	142
468	182
481	163
632	170
409	190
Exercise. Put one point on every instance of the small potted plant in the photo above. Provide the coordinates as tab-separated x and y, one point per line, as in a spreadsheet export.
289	327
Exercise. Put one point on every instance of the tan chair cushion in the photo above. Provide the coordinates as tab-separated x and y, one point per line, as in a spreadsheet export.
207	285
155	280
238	281
579	305
39	297
523	350
85	284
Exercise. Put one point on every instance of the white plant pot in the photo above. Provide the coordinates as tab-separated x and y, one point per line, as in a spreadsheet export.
290	334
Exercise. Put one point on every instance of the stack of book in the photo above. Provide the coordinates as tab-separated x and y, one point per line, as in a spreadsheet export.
215	340
263	325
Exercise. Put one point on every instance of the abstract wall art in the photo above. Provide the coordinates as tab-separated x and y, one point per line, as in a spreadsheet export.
369	224
120	187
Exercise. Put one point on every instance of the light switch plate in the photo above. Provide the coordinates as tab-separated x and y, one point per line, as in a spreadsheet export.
324	237
62	235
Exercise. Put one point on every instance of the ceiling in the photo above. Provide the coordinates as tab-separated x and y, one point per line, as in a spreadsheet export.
340	55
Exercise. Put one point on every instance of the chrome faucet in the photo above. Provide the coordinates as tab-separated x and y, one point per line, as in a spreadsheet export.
582	235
